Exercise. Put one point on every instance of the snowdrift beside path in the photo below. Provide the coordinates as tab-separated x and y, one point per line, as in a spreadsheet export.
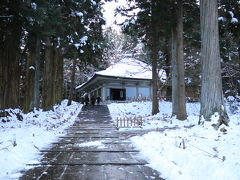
20	141
187	151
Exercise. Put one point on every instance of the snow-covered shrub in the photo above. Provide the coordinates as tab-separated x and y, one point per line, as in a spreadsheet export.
234	104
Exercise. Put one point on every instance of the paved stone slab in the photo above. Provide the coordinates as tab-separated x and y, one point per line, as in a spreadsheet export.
91	157
106	146
103	172
90	150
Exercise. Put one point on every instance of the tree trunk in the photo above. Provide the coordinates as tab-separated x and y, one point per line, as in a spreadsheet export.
32	93
72	87
181	95
9	66
178	74
238	77
36	91
52	76
167	69
154	58
2	84
211	82
59	77
155	104
29	80
55	56
174	74
47	90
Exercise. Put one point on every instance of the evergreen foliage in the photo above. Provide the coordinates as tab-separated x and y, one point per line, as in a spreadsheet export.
229	24
39	34
45	45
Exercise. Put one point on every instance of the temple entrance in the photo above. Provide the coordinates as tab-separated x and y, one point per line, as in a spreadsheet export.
117	94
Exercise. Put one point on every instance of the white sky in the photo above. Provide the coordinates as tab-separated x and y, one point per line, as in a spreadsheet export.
108	13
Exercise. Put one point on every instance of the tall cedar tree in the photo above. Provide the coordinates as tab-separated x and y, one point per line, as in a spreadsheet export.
211	83
39	33
178	84
10	36
35	19
70	98
86	38
152	26
154	40
52	57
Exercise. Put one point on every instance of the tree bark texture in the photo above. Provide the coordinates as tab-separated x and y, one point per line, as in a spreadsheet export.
59	77
238	78
9	66
29	80
155	104
174	75
47	90
52	76
178	70
154	58
211	82
167	69
70	98
36	91
32	86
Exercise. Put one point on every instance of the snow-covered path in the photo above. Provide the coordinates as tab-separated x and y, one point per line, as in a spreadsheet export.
208	154
92	149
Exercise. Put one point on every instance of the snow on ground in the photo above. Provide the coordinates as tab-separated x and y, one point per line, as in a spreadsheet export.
97	144
206	154
20	141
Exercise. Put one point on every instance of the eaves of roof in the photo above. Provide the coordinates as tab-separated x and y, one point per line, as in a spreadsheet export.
96	77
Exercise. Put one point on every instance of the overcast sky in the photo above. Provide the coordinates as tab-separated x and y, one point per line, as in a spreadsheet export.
108	13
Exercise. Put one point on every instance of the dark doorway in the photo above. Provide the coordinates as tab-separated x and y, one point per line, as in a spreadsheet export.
118	94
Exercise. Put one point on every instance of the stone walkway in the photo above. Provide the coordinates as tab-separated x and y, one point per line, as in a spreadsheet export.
115	159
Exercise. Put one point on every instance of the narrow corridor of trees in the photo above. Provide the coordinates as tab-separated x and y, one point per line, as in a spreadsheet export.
36	37
48	47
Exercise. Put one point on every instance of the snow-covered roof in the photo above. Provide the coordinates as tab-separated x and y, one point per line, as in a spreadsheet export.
129	68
